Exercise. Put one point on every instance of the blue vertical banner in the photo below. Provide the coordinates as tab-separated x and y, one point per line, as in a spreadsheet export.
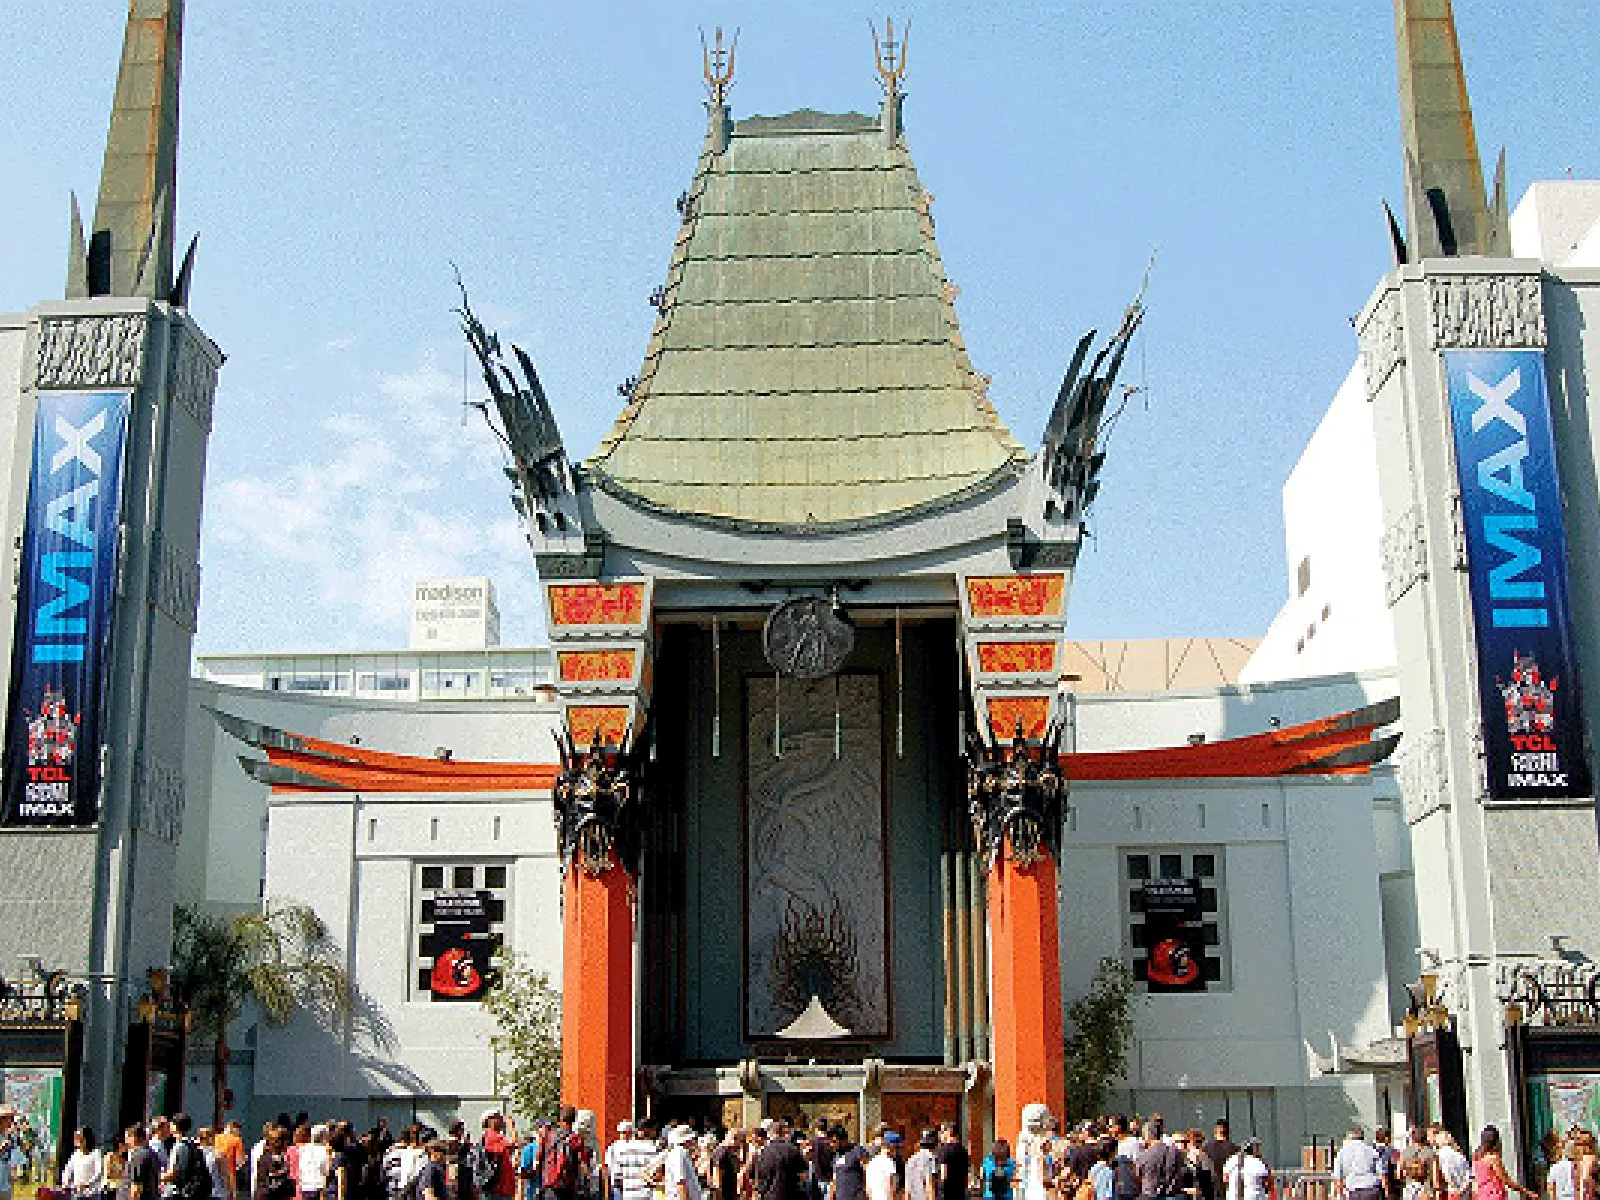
61	652
1533	732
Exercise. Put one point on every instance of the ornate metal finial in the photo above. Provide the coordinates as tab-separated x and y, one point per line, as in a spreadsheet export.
1014	799
718	66
595	793
891	55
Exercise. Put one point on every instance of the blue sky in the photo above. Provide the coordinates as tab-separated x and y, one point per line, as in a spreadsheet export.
336	156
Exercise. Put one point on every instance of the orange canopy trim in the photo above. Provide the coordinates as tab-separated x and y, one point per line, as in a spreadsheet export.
1342	744
296	763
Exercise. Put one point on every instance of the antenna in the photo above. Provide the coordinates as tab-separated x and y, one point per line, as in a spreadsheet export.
718	65
891	55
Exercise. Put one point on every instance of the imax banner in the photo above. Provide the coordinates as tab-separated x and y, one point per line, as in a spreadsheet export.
61	654
1517	566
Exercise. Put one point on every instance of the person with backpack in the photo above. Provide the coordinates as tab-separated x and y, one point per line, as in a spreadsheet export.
565	1166
531	1161
493	1172
187	1174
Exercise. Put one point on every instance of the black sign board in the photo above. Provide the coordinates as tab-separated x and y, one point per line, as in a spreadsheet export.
461	945
1173	936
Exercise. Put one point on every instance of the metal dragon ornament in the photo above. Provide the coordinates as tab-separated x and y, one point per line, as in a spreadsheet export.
595	794
1015	796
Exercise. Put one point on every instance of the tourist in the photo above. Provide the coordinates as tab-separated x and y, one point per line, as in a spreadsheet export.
681	1180
998	1170
626	1161
1490	1180
727	1163
567	1165
1417	1149
230	1144
921	1168
820	1157
1562	1181
1416	1176
219	1167
1199	1180
116	1160
1357	1169
781	1170
1246	1176
849	1166
85	1172
955	1164
1219	1150
311	1163
433	1180
501	1182
274	1180
1388	1162
141	1179
1102	1172
883	1172
1159	1166
1455	1171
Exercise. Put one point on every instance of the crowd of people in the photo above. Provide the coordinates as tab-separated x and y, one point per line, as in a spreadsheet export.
1111	1159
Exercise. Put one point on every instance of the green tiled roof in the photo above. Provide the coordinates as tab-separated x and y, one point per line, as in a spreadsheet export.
807	367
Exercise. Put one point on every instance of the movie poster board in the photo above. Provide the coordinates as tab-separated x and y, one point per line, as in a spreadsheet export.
462	945
1174	936
1511	515
66	597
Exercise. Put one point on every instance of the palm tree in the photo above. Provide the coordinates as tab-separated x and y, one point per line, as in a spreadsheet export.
281	958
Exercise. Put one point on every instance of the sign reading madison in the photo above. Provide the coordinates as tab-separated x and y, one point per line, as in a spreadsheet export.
1517	570
60	656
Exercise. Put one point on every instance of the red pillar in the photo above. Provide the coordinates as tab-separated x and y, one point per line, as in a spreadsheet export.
1025	956
597	995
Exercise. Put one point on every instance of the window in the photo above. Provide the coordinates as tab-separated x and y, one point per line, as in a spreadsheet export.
458	928
1303	576
1175	924
369	681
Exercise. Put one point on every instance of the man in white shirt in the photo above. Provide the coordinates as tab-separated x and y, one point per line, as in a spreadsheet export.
1454	1167
883	1172
626	1161
1357	1169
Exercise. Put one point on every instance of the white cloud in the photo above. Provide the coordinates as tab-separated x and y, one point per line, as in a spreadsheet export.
388	490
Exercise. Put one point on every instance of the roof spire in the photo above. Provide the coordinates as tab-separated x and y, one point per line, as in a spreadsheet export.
130	247
1447	212
718	66
891	58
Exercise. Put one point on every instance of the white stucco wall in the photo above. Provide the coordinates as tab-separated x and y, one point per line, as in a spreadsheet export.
1333	532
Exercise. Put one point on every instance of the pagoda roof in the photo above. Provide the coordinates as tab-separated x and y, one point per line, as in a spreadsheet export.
807	369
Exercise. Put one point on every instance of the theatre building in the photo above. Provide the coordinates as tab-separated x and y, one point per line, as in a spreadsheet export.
828	831
809	805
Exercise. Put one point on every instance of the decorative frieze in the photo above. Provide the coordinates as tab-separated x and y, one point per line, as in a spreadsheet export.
192	376
175	582
1486	311
158	798
1382	343
91	352
1405	554
1424	775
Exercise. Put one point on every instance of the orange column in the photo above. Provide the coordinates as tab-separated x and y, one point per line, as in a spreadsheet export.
597	995
1025	958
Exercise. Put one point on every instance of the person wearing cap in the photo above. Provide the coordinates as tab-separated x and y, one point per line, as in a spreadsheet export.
627	1159
681	1180
883	1172
922	1168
